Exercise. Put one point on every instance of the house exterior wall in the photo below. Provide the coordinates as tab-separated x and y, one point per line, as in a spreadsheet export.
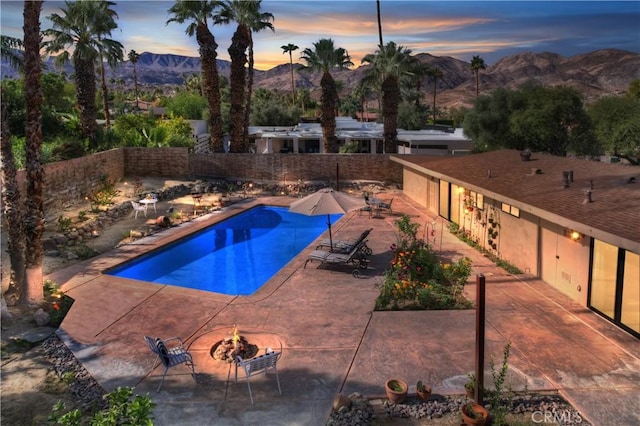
564	262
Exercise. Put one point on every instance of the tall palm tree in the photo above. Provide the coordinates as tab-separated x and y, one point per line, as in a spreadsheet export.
324	57
379	23
247	14
198	13
389	63
112	51
133	57
477	64
11	50
83	27
258	21
289	48
435	73
34	218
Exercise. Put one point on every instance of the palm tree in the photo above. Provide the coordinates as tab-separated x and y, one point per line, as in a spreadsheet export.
436	73
257	22
477	64
379	23
390	62
8	47
113	52
12	211
34	218
289	48
199	12
246	13
324	57
133	58
418	70
82	27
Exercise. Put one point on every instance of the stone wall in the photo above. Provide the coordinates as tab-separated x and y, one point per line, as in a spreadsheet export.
291	167
67	182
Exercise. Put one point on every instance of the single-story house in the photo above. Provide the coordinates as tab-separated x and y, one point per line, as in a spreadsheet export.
574	223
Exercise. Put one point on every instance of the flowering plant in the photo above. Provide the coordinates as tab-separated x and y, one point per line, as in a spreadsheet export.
417	279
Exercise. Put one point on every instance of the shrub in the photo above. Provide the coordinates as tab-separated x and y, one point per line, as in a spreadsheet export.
123	409
417	279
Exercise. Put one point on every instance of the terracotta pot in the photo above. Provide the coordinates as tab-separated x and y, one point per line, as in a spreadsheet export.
472	420
424	395
395	396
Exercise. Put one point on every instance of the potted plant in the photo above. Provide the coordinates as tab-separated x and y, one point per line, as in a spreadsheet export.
470	386
396	390
424	392
474	414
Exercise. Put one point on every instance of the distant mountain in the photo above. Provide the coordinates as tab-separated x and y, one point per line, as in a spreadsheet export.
594	74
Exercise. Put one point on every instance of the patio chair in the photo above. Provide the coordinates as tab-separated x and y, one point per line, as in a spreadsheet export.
368	208
169	356
137	208
345	246
386	206
258	365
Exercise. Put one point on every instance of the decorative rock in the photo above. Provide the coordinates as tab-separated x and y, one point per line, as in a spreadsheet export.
341	401
41	317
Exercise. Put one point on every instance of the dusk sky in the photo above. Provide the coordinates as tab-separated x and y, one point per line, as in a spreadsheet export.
460	29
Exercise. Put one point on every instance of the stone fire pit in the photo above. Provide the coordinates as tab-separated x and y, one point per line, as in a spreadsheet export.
227	349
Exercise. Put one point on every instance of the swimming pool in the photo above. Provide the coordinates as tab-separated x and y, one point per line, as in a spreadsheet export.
235	256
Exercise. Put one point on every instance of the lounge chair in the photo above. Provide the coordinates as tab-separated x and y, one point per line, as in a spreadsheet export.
355	257
386	206
169	356
345	246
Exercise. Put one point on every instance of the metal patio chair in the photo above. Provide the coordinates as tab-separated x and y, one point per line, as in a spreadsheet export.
169	356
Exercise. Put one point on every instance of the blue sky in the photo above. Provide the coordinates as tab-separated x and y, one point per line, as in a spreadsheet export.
461	29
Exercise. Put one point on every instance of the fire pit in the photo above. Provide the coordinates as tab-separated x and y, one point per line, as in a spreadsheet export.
227	349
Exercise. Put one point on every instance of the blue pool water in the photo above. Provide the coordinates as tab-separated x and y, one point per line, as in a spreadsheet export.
236	256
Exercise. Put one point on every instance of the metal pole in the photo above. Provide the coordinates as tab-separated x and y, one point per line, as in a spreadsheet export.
337	177
480	316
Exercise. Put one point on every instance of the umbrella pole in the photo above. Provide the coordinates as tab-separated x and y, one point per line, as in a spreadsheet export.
330	237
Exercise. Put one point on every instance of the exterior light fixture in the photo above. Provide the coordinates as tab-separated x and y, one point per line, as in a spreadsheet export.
575	235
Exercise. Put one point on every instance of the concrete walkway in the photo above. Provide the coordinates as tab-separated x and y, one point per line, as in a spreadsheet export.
333	342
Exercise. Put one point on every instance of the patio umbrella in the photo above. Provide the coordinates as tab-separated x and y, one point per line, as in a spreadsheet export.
326	201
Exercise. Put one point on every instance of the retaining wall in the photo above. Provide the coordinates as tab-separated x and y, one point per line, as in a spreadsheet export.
67	182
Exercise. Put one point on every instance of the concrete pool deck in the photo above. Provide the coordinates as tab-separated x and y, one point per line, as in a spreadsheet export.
331	338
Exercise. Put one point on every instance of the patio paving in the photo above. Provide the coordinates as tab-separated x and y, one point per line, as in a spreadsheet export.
333	341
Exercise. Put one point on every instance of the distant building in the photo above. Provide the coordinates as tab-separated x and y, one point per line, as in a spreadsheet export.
573	223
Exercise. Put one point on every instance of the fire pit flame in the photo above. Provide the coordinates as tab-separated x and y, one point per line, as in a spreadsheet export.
232	346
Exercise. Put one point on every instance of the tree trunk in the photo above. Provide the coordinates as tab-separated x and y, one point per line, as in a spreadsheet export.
12	214
379	24
86	95
293	86
105	95
34	218
328	101
211	81
390	102
247	108
237	53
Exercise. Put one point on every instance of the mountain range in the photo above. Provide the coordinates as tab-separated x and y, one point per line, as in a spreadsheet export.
594	74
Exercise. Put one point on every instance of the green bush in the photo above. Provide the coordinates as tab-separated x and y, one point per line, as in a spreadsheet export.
417	279
123	409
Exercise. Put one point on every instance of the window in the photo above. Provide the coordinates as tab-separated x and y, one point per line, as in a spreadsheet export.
512	210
